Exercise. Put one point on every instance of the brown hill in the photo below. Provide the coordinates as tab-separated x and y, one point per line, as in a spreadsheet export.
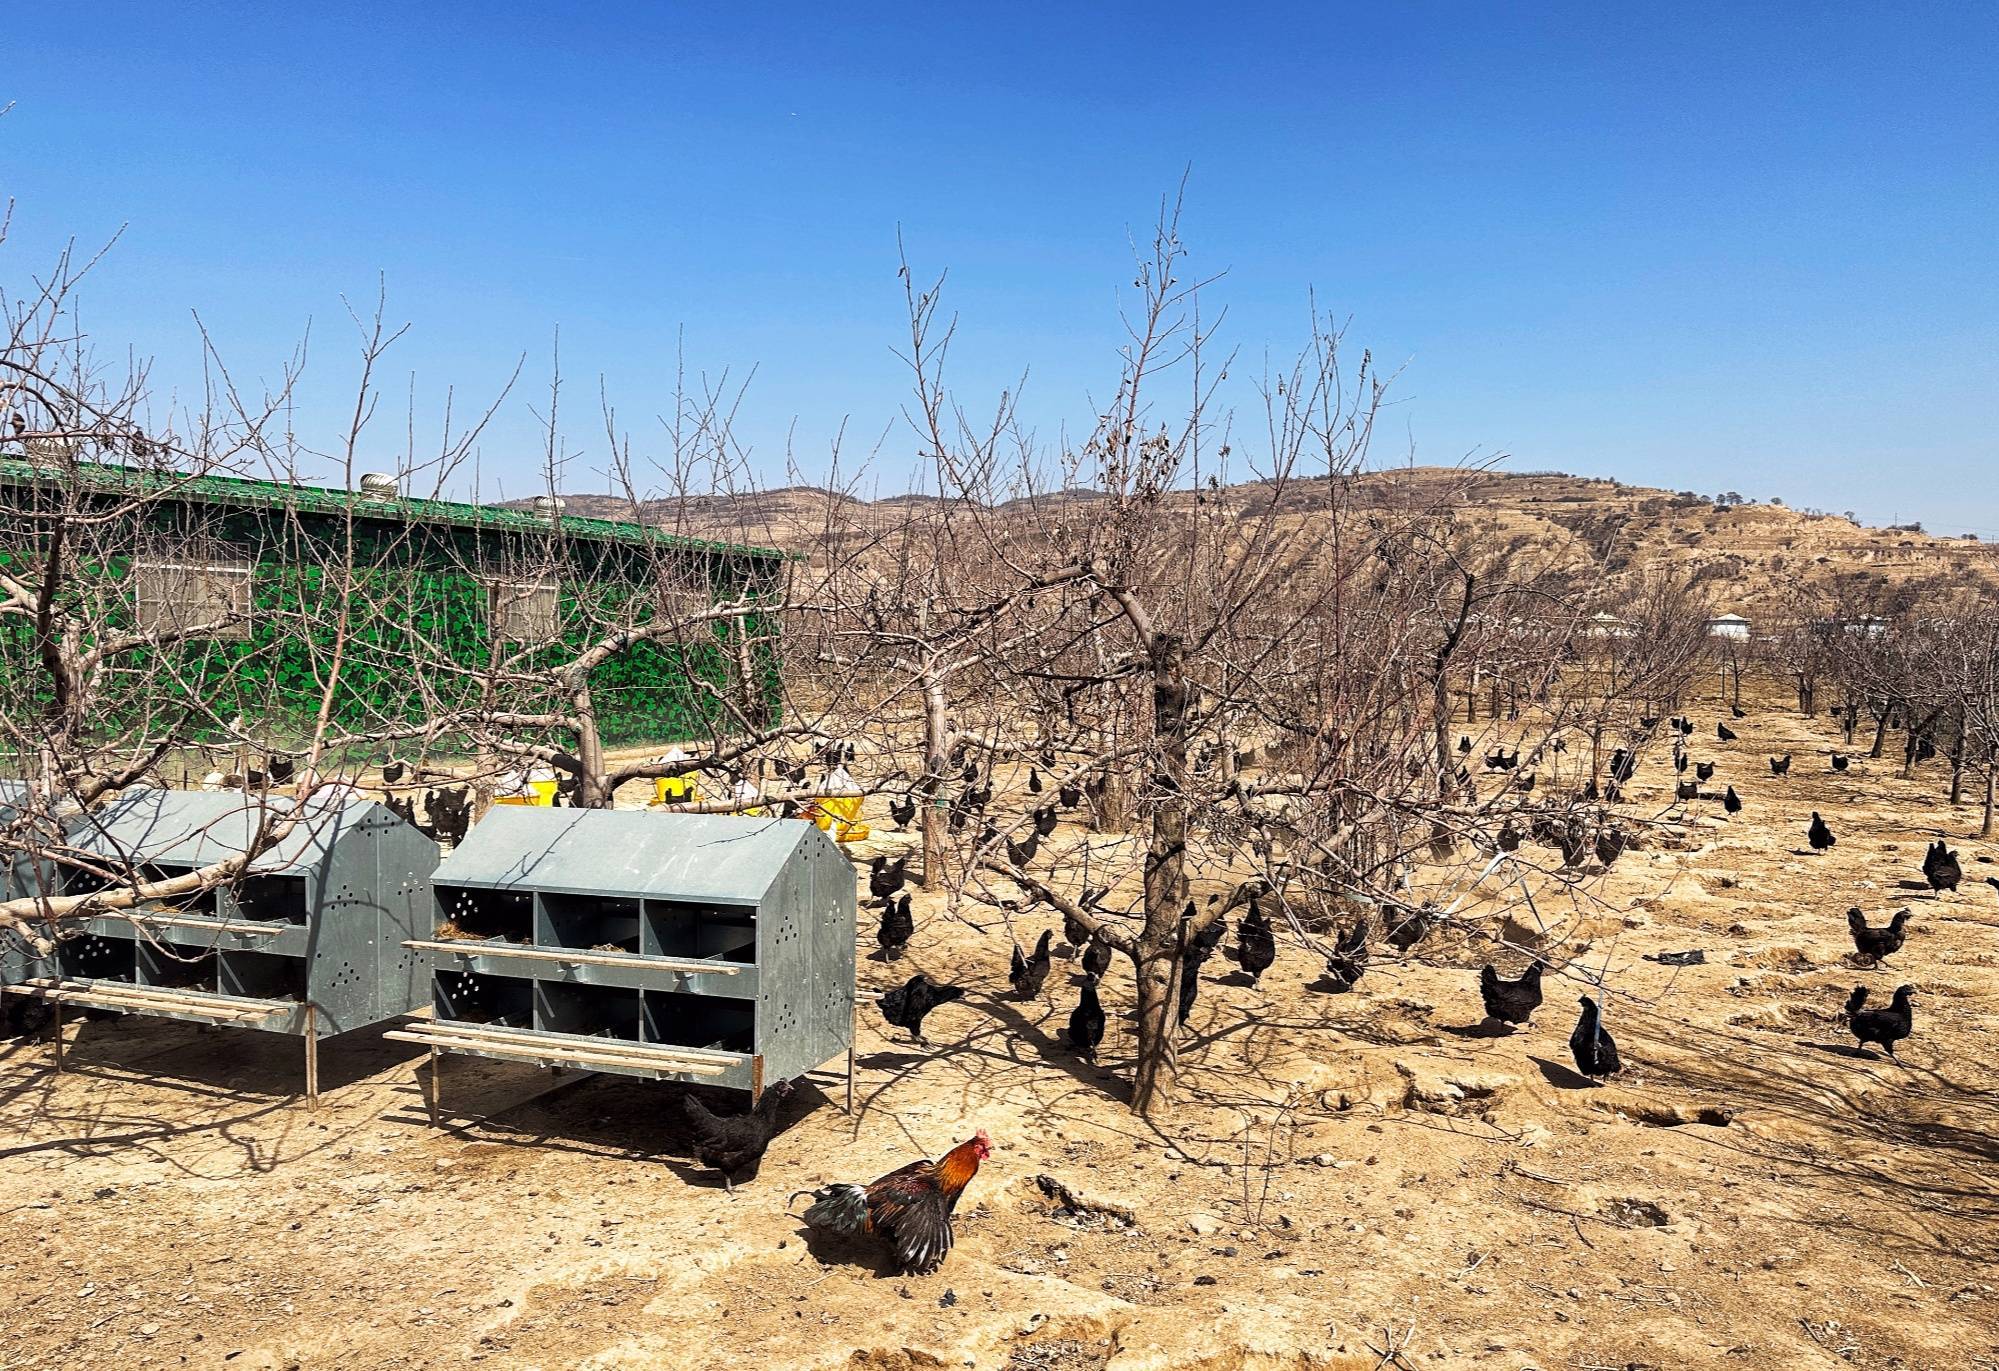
1747	554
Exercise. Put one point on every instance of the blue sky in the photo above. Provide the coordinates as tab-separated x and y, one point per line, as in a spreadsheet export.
1742	247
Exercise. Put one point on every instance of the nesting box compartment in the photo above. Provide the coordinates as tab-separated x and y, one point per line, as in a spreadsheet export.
707	948
308	941
19	959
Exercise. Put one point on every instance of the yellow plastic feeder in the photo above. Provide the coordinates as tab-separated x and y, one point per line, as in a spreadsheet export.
675	790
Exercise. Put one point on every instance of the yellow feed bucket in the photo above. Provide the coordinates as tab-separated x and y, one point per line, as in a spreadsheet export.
541	792
840	817
675	790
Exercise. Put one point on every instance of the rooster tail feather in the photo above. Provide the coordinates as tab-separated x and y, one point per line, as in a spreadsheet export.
841	1208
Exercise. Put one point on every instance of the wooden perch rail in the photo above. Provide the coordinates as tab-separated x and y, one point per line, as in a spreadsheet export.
470	948
101	995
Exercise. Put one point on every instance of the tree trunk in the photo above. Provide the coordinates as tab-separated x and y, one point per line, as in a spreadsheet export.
591	792
930	790
1880	733
1985	828
1159	961
1957	768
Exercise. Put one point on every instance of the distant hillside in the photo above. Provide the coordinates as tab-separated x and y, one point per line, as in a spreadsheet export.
1746	553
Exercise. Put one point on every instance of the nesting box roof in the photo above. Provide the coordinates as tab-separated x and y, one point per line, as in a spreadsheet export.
724	858
200	828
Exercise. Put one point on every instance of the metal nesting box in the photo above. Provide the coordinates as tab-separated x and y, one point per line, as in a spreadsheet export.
705	948
308	941
18	958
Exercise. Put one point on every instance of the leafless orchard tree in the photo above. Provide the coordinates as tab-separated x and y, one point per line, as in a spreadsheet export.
1245	683
135	642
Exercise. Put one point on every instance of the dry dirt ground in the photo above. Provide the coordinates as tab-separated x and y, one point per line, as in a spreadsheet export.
1352	1181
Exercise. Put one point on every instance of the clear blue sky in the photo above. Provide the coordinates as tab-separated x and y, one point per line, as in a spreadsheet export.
1749	247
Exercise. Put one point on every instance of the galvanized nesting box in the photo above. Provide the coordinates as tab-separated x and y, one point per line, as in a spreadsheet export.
18	958
704	948
308	941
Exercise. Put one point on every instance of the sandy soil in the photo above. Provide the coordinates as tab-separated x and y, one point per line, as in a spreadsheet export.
1351	1181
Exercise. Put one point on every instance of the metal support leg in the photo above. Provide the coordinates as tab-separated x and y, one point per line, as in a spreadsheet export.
853	1027
311	1059
432	1086
57	1004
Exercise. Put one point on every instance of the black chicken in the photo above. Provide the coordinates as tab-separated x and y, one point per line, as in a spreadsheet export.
1940	867
904	812
1818	835
1839	762
1022	852
1074	931
1256	945
393	772
1738	711
1403	928
1591	1044
1096	959
896	928
1610	843
1623	765
906	1006
1069	796
1704	771
1028	973
1686	790
1033	781
1732	802
886	877
1679	760
1511	1002
1464	744
734	1144
1781	766
1347	962
1885	1026
1724	732
1876	943
1044	821
1086	1022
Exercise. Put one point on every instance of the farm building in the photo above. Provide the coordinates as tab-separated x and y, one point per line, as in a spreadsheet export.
1728	626
445	590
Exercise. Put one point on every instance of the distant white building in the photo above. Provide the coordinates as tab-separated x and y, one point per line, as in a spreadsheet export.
1608	625
1728	626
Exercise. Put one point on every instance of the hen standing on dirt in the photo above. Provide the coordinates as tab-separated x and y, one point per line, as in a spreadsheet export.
1818	835
734	1145
1256	946
1885	1026
1086	1022
1511	1002
1027	974
1876	943
906	1005
1591	1044
896	929
910	1209
1941	868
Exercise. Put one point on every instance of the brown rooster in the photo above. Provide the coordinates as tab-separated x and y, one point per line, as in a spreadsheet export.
909	1208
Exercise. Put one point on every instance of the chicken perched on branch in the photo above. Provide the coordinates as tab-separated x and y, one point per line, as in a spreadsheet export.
910	1209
